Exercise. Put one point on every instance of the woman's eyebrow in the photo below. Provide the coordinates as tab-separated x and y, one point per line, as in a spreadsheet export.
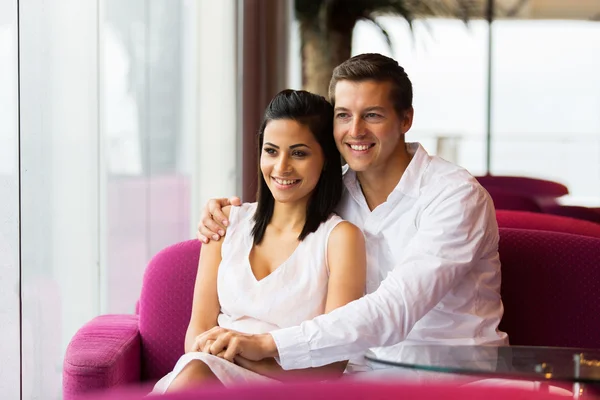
294	146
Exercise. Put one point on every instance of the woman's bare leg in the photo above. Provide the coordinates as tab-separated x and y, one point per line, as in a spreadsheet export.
195	373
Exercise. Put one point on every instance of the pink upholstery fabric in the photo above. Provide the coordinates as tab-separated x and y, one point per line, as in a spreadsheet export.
165	307
546	222
583	213
529	187
104	353
344	390
114	350
506	200
550	286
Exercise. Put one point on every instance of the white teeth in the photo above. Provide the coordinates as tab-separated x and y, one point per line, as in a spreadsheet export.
359	148
285	181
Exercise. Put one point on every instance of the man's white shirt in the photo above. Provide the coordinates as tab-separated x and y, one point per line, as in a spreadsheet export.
433	270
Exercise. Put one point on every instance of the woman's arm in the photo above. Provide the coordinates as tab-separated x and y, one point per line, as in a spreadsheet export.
347	261
205	307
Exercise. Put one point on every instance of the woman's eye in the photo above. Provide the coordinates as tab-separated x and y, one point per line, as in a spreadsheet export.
298	154
269	151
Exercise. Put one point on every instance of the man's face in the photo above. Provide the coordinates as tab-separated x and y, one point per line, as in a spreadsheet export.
367	130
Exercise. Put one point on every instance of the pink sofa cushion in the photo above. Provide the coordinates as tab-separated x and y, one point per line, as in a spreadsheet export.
343	390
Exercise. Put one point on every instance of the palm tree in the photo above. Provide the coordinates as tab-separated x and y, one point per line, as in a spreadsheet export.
326	28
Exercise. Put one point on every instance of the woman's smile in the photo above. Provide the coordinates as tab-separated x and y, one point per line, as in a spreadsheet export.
285	183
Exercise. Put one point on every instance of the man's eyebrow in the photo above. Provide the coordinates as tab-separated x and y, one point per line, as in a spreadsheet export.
374	108
368	109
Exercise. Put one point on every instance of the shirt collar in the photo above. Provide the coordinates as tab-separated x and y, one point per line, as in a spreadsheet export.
410	182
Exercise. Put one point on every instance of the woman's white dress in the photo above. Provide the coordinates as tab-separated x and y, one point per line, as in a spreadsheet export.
296	291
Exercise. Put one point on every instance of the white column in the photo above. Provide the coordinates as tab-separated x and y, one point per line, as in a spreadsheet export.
216	172
9	205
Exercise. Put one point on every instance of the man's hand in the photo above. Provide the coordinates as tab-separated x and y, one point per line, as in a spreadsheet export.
228	344
213	222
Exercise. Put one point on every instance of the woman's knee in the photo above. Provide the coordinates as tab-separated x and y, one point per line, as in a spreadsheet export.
194	373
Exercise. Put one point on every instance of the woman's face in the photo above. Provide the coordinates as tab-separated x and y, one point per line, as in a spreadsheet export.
291	160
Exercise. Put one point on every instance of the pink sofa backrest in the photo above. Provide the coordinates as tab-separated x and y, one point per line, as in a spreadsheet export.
546	222
526	186
550	284
165	306
506	200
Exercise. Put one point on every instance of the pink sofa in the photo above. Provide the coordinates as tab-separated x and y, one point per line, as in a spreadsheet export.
546	222
550	284
116	350
549	288
345	390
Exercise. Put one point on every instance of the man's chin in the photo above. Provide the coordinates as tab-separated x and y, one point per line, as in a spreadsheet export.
357	166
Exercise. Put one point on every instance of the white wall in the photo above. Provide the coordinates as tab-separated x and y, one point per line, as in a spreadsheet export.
218	89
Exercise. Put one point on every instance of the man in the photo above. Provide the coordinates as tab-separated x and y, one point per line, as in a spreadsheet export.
432	239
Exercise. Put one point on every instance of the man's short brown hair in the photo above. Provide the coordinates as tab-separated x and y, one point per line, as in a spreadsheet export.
379	68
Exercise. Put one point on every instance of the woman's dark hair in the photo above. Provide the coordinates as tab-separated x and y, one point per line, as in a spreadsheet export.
316	113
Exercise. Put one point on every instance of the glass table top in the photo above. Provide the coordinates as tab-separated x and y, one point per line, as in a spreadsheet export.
528	362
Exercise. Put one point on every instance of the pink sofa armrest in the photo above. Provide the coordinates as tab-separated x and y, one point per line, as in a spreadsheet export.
104	353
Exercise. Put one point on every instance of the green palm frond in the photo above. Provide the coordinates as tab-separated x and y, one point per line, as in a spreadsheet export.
382	30
326	26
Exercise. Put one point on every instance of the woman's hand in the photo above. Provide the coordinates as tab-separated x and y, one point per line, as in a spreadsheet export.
213	222
227	344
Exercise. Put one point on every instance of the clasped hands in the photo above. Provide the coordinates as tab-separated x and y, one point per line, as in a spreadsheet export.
232	345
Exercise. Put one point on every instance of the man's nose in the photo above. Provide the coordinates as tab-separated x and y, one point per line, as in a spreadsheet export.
357	128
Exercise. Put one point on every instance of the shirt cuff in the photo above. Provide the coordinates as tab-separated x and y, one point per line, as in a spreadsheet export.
293	349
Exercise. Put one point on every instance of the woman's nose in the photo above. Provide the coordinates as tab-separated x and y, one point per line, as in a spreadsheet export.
283	166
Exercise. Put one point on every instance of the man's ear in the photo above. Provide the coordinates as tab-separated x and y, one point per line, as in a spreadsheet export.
407	119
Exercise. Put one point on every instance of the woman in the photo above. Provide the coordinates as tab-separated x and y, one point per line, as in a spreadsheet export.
286	258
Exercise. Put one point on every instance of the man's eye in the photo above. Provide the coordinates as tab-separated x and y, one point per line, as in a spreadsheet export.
372	115
342	115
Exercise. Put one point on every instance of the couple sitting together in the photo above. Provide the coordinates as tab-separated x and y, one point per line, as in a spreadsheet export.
282	294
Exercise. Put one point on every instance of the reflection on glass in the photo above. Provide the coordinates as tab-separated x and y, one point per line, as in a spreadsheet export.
529	362
147	138
9	203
